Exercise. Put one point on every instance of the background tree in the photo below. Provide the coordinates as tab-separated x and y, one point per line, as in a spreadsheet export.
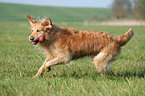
121	9
139	9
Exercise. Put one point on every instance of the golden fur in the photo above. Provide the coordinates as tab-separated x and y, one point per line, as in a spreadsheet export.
63	44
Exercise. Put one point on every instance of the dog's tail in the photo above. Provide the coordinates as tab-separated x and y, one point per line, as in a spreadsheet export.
122	40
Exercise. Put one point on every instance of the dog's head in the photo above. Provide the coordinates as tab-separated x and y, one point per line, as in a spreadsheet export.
39	29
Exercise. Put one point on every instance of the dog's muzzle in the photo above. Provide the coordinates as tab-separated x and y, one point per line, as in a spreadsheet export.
35	41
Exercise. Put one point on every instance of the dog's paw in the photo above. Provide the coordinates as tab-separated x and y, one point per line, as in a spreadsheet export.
34	76
48	69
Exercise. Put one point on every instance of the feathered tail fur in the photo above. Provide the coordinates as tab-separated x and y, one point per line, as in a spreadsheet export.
122	40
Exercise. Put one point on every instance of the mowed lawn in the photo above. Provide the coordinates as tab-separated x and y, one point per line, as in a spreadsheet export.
20	60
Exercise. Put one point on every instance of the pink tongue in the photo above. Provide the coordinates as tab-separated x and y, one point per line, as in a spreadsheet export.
33	41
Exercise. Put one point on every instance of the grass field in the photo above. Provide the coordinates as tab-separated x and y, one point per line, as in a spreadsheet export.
20	60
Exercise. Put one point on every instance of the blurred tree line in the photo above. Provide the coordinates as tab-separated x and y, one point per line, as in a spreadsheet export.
125	9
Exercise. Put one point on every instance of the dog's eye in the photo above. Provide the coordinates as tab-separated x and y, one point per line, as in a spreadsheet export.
38	30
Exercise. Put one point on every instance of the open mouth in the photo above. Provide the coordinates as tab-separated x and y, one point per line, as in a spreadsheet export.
39	39
35	41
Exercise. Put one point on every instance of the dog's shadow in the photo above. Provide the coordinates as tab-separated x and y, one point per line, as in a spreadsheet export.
94	75
139	74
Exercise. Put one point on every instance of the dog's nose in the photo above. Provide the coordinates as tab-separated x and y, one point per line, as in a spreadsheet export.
31	38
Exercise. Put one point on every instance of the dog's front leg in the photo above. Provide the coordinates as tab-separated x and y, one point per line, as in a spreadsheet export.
42	68
55	61
40	71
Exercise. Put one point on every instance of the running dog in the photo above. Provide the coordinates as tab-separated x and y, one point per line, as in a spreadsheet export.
63	44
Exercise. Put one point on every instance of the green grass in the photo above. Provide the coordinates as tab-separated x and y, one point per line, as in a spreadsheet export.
20	60
17	12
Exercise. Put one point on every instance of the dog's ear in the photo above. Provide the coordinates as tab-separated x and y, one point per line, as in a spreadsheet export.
31	20
47	23
46	28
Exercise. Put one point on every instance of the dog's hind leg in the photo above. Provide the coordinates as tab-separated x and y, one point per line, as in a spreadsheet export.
103	60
